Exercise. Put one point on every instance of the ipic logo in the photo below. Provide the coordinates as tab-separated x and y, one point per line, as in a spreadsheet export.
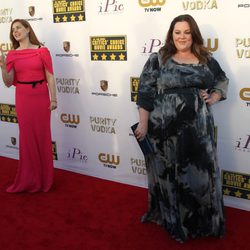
110	161
110	6
151	46
243	144
77	154
154	44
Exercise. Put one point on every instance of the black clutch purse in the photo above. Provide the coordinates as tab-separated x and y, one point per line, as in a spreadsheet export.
145	144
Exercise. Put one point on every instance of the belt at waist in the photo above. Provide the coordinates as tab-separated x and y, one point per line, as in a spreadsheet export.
177	91
33	83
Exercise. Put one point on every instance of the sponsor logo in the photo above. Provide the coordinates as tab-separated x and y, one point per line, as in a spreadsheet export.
108	48
66	48
104	87
5	15
200	5
70	120
134	84
151	5
13	141
54	150
244	5
242	47
68	85
110	7
31	10
108	160
138	166
243	144
236	184
154	44
5	47
151	46
103	125
77	155
8	113
68	11
245	95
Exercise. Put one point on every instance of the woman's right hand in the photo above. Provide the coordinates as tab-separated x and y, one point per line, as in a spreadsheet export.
141	130
2	59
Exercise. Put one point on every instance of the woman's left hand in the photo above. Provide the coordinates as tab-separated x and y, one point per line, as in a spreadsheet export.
210	99
53	105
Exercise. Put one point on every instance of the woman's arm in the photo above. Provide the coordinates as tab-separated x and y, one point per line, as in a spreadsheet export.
142	127
52	90
7	77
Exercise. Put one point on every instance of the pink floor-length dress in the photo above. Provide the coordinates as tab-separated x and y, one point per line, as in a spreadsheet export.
35	169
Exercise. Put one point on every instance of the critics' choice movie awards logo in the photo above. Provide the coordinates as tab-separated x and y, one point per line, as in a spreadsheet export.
103	125
76	154
154	44
70	120
109	160
242	48
200	5
54	150
138	166
151	5
68	85
104	87
108	48
66	48
8	113
68	11
110	7
236	184
134	84
5	15
245	95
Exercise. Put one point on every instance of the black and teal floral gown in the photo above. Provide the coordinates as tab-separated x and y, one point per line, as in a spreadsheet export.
185	194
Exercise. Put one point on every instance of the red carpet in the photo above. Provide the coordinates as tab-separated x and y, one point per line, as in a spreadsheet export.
86	213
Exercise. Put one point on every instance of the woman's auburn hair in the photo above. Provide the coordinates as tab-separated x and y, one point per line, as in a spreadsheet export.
197	47
32	36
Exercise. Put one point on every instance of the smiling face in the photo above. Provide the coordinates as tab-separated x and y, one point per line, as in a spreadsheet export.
19	32
182	36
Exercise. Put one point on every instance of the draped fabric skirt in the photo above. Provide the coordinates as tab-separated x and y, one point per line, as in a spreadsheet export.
35	168
185	194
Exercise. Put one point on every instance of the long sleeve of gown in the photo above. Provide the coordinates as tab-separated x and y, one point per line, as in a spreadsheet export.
220	78
147	83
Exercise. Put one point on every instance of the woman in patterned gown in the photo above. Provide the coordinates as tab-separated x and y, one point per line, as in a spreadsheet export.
176	89
29	68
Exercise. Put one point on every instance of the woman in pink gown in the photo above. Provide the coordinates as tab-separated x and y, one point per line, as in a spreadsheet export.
29	68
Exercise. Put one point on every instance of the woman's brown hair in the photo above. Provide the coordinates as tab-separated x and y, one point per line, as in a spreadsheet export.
197	48
32	36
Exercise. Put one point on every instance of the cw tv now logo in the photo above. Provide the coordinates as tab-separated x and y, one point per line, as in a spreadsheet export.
109	160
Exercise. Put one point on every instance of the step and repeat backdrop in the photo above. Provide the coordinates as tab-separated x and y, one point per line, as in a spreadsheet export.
98	49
